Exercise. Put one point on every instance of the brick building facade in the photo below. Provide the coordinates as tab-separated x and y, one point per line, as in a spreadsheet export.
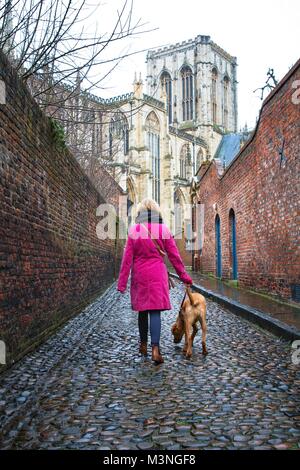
251	209
52	263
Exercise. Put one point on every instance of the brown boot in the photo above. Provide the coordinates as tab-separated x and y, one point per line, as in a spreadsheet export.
156	356
143	348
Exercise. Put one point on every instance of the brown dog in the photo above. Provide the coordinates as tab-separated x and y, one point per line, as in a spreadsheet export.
192	311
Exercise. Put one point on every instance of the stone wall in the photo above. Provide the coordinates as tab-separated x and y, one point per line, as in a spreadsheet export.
51	262
263	191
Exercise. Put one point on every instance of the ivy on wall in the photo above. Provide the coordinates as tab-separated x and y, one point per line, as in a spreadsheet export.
58	135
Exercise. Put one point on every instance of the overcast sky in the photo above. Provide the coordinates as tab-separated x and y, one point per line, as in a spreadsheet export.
260	33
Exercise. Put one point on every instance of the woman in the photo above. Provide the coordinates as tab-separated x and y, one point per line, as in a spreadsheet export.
147	240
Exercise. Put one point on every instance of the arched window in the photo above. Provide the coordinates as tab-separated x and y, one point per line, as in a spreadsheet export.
131	199
225	95
184	160
187	94
182	167
153	131
178	215
118	134
214	96
199	159
166	82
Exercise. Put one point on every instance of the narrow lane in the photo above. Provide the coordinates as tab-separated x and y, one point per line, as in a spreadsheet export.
88	388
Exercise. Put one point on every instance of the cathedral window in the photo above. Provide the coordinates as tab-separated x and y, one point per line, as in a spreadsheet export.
118	134
166	82
153	138
225	92
199	160
214	96
178	216
187	94
184	160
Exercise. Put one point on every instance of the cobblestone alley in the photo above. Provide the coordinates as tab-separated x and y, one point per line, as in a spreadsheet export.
88	388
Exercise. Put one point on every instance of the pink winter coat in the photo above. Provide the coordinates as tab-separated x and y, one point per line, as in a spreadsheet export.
149	278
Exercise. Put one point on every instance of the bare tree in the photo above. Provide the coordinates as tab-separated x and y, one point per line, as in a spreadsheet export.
57	41
269	85
57	49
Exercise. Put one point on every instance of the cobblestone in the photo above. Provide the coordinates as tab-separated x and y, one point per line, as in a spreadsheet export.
88	388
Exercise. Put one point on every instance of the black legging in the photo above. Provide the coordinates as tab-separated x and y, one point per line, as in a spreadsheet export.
155	326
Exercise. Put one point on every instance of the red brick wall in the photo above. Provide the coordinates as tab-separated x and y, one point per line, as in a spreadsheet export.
265	199
51	261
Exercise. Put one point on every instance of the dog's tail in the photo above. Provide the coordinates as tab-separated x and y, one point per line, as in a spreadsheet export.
189	293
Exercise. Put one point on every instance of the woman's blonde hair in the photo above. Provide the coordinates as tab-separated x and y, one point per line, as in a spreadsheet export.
148	205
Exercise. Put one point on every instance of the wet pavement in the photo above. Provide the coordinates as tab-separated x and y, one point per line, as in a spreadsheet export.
88	388
285	312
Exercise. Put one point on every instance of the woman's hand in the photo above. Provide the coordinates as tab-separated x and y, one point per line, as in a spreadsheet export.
186	279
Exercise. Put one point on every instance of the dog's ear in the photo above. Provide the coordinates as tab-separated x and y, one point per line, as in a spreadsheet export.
173	329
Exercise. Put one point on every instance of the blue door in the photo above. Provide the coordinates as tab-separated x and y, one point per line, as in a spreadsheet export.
218	247
233	245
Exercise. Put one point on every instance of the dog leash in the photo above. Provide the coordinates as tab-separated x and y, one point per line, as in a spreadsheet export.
183	299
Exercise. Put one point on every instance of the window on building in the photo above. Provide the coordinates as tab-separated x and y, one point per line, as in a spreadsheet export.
214	96
199	159
126	139
225	93
178	216
184	160
187	94
166	82
153	139
118	134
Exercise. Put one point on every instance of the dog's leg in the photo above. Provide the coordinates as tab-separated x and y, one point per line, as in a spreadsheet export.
204	331
185	346
195	330
188	339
